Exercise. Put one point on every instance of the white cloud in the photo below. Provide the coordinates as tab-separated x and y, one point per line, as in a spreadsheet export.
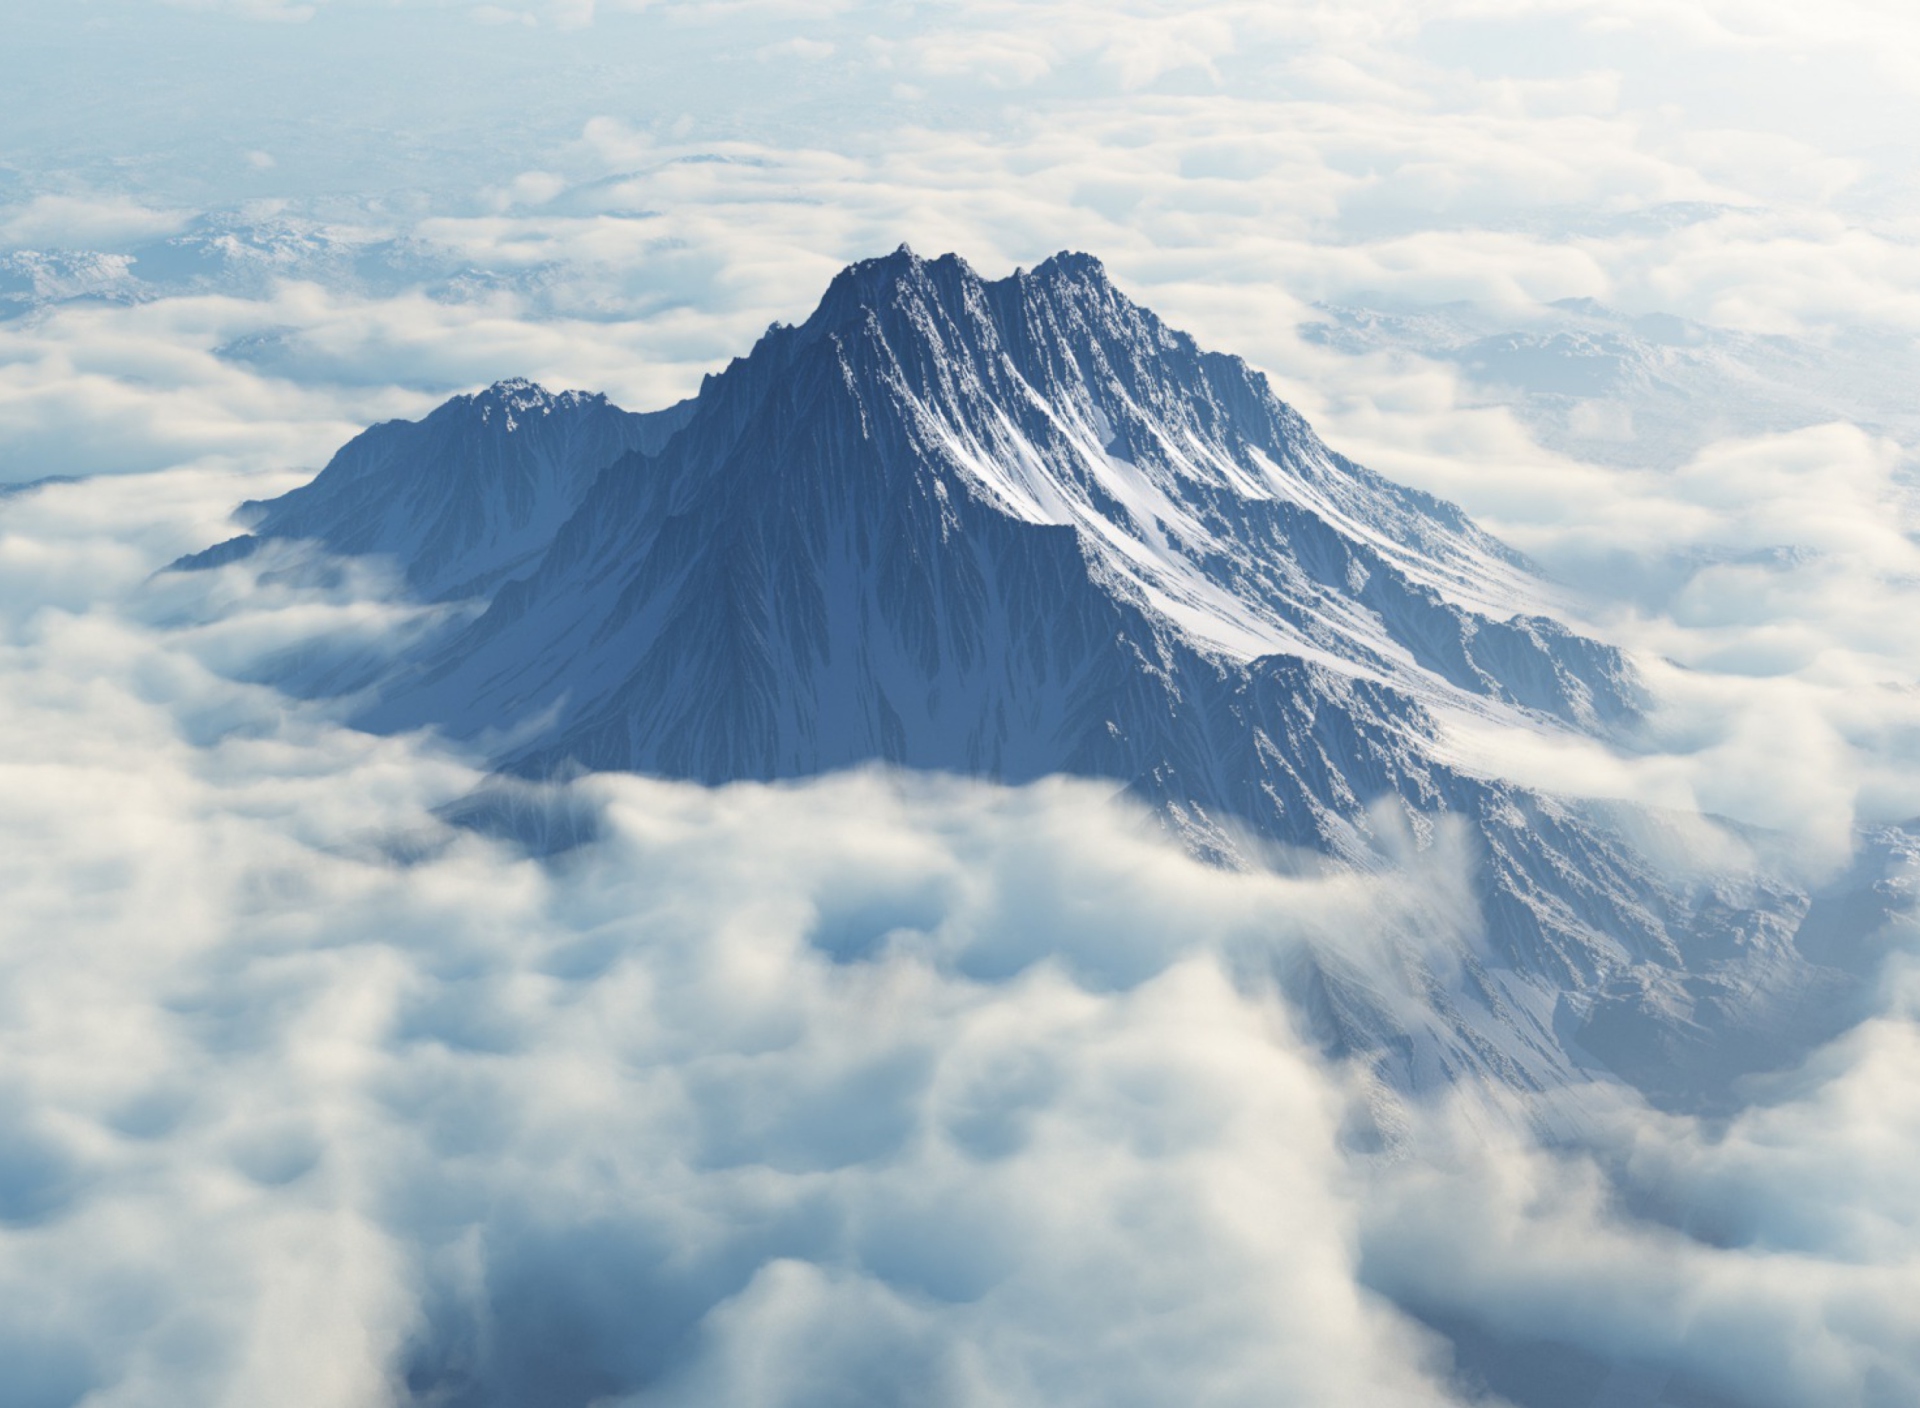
284	11
500	14
798	47
84	222
937	1089
1778	574
913	1089
1763	1259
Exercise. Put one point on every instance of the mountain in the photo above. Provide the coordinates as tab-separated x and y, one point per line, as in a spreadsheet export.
852	504
464	498
1022	527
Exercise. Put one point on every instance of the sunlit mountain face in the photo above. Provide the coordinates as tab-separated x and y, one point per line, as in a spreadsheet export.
609	799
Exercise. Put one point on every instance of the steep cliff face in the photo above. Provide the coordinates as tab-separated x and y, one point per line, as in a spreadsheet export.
1022	527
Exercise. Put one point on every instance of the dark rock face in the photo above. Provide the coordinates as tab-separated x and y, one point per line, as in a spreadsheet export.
1016	528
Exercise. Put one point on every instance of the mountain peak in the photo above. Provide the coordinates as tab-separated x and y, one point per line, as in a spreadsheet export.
1073	264
870	285
463	497
517	397
951	289
515	390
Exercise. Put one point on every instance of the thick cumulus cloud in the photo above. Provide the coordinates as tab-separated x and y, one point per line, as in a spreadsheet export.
870	1089
1769	1262
1768	587
864	1090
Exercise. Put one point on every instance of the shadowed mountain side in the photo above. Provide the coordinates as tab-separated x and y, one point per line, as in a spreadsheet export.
463	498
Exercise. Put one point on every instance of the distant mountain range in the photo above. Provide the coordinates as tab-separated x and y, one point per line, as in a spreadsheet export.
1022	527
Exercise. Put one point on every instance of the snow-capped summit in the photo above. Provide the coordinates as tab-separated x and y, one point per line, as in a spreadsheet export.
515	399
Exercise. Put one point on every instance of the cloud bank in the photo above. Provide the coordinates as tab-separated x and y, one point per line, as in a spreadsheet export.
866	1089
899	1089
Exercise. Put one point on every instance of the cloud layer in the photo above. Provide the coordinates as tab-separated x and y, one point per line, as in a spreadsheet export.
866	1089
904	1090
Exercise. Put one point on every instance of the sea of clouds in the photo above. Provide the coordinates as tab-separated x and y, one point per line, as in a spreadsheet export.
871	1089
883	1089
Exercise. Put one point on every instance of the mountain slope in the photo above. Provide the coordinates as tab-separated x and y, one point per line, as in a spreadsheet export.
1016	528
463	498
921	411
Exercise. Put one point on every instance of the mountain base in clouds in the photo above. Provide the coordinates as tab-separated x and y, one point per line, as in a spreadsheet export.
876	1087
1015	528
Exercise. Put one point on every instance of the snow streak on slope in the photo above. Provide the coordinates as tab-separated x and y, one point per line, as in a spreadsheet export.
1065	403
